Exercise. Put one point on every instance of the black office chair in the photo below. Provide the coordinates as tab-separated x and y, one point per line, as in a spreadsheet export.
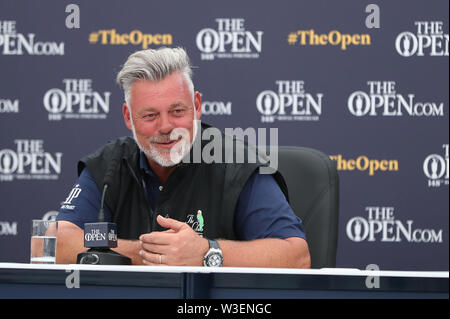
313	185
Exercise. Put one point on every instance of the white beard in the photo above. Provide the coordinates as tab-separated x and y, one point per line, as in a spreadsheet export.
174	155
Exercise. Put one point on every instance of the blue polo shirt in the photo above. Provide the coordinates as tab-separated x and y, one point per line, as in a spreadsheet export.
261	212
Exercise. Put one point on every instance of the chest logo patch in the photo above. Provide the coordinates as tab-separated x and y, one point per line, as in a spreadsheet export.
197	222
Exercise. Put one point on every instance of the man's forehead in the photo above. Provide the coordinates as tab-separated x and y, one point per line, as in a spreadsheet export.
160	89
153	94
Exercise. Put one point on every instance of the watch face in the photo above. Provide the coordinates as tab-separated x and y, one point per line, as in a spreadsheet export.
214	260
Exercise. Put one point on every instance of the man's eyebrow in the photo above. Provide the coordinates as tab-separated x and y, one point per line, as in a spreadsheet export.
173	105
148	109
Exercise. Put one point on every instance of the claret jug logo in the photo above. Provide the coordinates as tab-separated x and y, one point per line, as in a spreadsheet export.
229	40
29	162
428	40
13	43
77	101
384	100
436	168
290	102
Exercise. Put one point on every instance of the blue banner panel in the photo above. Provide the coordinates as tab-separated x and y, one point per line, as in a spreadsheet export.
367	84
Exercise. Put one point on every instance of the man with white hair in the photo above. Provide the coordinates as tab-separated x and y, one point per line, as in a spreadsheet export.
174	212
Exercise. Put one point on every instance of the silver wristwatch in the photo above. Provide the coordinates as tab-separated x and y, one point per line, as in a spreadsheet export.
213	257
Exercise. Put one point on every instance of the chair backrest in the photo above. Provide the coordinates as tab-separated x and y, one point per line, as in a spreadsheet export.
313	185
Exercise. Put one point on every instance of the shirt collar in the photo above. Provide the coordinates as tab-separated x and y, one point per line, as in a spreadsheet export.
148	172
144	166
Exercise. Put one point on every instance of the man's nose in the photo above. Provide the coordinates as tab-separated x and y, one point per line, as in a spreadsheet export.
165	124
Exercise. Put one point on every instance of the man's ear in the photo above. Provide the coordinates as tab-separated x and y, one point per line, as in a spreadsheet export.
198	104
127	116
